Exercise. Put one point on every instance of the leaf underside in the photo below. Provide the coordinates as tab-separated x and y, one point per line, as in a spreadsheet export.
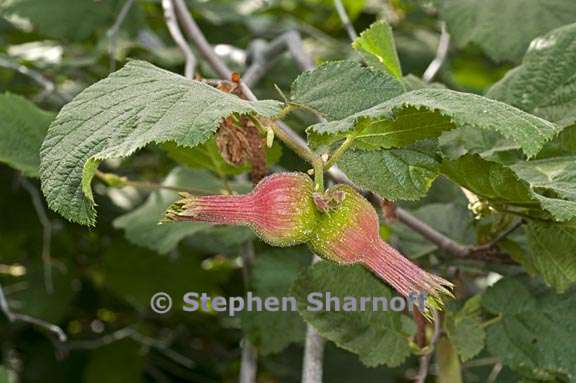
545	83
135	106
485	22
426	113
22	128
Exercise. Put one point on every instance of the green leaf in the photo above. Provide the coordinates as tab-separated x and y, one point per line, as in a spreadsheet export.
564	144
135	106
273	273
67	20
426	113
119	362
536	332
204	156
338	89
485	22
376	45
551	253
412	82
451	219
488	180
488	144
553	183
465	331
207	156
22	128
377	336
393	174
135	275
540	184
545	83
142	224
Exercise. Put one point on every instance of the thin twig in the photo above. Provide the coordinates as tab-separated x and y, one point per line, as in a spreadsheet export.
112	33
494	373
481	362
114	180
313	356
265	56
312	366
440	240
46	232
129	332
92	344
15	317
249	361
345	20
163	348
296	49
48	86
500	237
425	359
202	45
441	53
176	33
4	306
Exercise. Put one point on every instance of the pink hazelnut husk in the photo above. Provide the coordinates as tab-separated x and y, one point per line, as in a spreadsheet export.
348	233
280	209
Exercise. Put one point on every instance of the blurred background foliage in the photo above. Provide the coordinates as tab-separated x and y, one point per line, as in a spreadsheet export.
103	277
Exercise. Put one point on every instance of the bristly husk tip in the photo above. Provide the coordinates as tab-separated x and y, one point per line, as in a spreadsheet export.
436	301
174	210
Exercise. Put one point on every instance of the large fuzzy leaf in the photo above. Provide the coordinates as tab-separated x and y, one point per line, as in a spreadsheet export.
273	273
545	83
393	174
464	329
488	180
504	29
458	227
520	186
536	332
22	129
551	253
426	113
72	20
135	106
553	183
141	225
339	89
370	334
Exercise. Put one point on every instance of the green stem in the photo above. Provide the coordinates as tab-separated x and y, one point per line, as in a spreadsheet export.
339	152
449	369
492	321
114	180
284	112
318	166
